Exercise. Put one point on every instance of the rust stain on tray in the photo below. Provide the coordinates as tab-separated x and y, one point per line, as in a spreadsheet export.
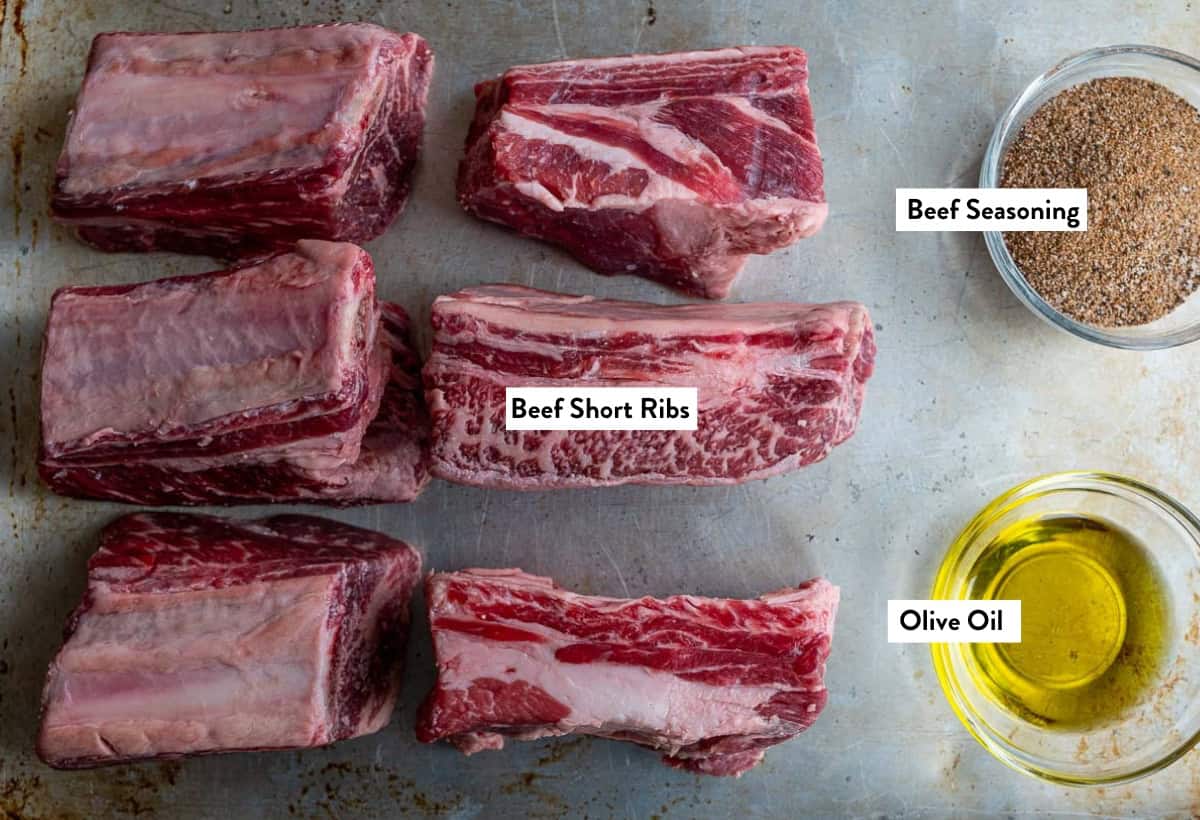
26	798
15	454
17	795
560	750
527	784
19	30
339	786
138	790
17	144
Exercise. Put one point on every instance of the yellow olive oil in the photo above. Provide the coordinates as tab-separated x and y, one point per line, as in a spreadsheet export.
1094	620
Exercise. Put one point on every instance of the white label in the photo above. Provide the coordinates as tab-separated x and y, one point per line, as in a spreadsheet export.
601	408
991	209
954	621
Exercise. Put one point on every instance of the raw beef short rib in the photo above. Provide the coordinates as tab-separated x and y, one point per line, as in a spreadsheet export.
232	143
709	682
393	464
198	634
674	167
779	386
276	381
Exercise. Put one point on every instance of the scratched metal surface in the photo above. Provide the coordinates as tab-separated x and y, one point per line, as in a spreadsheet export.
972	395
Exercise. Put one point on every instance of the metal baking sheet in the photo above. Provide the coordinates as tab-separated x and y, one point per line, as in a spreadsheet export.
972	394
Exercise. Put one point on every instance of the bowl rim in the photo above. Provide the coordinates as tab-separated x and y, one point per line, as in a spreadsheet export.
1085	480
989	177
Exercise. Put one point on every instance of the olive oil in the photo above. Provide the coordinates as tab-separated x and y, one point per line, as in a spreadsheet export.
1094	620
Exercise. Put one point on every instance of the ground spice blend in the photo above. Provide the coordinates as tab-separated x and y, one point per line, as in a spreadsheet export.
1135	145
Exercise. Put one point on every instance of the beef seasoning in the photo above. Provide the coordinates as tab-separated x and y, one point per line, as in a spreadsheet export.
1135	145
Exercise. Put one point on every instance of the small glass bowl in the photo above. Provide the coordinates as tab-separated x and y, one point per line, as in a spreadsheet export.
1162	726
1176	71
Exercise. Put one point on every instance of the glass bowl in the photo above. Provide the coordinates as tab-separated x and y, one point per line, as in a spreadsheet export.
1164	722
1176	71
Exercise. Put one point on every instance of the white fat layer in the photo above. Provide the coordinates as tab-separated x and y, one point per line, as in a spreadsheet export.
605	698
182	671
744	105
665	138
194	670
168	355
170	110
541	312
648	64
819	593
721	368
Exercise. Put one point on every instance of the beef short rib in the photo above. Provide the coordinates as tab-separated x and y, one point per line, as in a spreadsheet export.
673	167
230	143
276	381
198	634
779	386
708	682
